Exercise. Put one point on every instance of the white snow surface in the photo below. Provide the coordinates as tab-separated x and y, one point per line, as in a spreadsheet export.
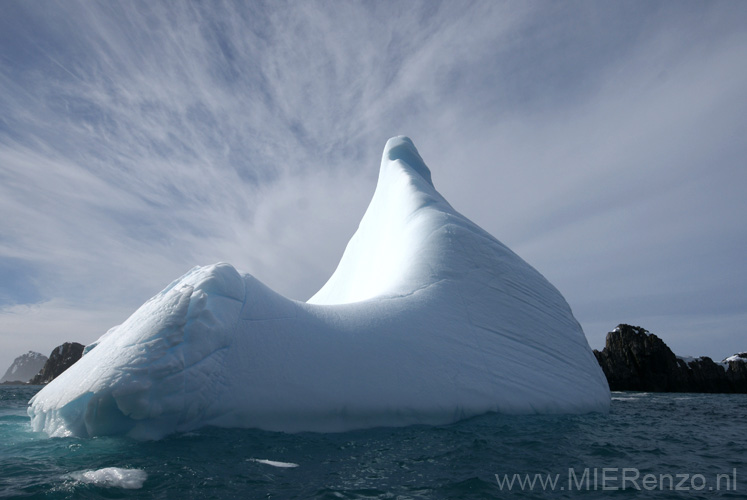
428	319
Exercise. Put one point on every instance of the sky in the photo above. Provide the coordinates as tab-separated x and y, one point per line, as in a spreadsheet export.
603	142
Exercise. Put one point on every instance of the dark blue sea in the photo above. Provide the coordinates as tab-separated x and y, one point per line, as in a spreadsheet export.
649	446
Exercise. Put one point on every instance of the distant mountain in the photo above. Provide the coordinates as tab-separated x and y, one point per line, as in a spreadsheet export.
62	358
635	359
24	367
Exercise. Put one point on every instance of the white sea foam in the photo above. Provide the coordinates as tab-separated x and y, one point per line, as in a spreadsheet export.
112	477
273	463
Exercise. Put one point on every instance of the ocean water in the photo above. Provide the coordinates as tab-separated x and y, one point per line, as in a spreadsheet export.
648	446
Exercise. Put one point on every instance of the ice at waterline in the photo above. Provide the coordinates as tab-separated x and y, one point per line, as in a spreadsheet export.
426	320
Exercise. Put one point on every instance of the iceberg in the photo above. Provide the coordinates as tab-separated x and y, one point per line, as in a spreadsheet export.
427	319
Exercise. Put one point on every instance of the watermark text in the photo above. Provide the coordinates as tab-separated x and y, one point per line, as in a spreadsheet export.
617	478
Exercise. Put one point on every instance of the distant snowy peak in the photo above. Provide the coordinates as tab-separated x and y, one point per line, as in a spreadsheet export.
24	367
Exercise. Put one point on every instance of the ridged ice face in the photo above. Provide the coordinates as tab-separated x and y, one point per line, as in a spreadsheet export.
427	319
388	254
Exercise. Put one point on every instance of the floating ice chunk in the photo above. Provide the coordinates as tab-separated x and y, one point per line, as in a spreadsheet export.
273	463
112	477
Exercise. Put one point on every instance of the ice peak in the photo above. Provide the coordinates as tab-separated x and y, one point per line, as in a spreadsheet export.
405	212
403	149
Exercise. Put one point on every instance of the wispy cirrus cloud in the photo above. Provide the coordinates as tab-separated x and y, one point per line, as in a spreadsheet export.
601	141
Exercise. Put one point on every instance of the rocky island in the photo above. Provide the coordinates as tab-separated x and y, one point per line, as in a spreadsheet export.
635	359
62	358
24	368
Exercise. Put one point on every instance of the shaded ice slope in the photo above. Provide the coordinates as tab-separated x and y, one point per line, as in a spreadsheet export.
427	319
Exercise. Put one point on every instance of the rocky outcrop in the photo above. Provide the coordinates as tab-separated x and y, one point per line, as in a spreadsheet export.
635	359
737	372
62	358
24	368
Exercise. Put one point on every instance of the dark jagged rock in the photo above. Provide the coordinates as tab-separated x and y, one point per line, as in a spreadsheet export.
635	359
24	368
737	372
62	358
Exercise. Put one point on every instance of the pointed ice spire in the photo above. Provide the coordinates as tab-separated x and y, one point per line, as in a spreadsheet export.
401	148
